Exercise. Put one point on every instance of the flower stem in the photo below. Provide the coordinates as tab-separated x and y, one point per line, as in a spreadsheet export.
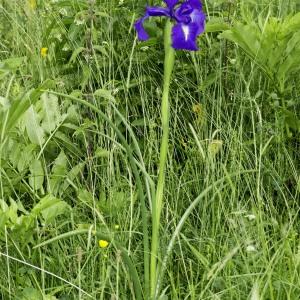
158	200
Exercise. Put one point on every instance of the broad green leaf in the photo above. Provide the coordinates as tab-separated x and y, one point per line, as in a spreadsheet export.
14	153
50	114
36	177
56	209
58	173
50	207
34	130
23	161
22	104
12	212
4	214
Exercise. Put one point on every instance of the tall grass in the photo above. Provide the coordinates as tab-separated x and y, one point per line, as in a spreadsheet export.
229	228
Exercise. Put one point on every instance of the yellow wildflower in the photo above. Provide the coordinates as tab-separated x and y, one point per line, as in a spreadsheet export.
103	243
44	52
117	226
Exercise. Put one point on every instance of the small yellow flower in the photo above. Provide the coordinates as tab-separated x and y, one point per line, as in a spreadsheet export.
117	226
44	52
103	243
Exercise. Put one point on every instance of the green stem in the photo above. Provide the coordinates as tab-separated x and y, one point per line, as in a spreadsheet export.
158	200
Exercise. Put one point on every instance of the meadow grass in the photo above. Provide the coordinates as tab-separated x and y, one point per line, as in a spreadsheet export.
230	222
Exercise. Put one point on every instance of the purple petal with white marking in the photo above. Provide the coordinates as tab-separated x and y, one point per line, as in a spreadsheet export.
184	36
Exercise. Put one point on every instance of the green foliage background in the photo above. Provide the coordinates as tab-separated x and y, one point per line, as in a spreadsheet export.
63	170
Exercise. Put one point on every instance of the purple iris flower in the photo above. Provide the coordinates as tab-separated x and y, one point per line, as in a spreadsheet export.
189	22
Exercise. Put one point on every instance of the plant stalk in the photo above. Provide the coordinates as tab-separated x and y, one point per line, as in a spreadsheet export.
158	200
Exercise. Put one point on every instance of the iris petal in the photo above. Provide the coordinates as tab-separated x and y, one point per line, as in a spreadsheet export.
151	11
139	27
184	9
184	36
196	4
171	3
182	13
157	11
198	17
